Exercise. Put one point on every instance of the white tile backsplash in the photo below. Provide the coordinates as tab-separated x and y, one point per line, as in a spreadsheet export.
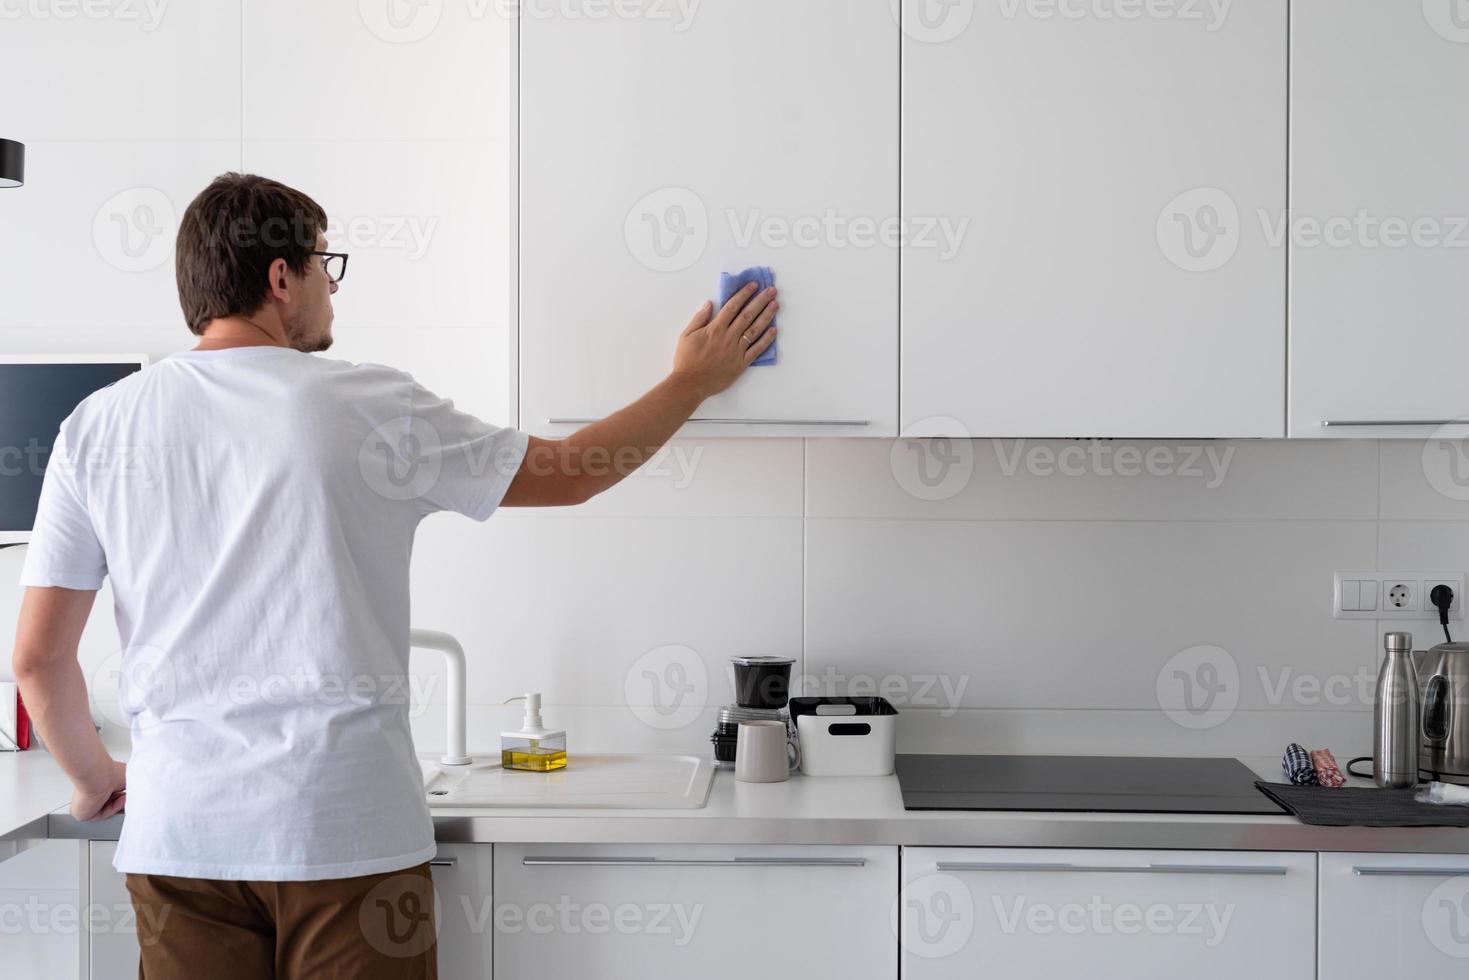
420	352
589	728
610	611
704	478
1082	615
1424	545
1076	480
1348	733
624	613
1426	480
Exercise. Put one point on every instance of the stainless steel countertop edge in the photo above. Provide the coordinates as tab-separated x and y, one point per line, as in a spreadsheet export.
1040	830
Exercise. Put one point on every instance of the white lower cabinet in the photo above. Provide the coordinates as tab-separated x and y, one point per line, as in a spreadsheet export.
463	880
616	911
114	950
42	909
1138	915
1391	916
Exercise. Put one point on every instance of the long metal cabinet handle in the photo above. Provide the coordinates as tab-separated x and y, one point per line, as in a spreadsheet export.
1347	423
443	862
1161	869
642	862
1371	872
836	422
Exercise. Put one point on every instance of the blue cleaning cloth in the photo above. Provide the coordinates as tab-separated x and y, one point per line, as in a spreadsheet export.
731	283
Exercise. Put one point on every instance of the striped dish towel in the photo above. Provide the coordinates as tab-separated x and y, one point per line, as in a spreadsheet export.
1299	771
1327	774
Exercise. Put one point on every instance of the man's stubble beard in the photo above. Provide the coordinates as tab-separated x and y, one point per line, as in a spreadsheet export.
308	345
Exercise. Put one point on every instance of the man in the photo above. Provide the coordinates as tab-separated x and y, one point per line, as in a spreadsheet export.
259	552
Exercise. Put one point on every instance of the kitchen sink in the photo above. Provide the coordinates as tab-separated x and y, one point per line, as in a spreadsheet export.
653	782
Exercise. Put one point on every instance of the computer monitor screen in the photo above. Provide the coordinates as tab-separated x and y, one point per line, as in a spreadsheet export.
37	393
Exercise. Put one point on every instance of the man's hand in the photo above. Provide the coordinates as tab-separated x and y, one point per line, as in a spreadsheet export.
105	798
713	351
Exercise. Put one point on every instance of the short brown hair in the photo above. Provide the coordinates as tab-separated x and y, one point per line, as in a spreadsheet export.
230	235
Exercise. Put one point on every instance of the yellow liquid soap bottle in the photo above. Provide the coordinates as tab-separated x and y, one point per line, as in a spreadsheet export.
535	748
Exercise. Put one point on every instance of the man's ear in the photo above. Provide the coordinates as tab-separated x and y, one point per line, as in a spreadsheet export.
277	282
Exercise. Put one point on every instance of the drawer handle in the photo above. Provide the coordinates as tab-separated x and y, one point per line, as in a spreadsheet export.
735	421
1158	869
649	862
443	862
1410	872
1335	423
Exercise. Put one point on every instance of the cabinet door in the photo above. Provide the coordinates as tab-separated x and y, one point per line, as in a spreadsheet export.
114	951
42	909
1112	278
1394	916
1130	915
662	146
613	911
463	880
1378	294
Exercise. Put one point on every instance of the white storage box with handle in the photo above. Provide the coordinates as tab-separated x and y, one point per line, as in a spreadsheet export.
846	736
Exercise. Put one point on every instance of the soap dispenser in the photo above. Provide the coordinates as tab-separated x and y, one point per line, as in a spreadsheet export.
534	748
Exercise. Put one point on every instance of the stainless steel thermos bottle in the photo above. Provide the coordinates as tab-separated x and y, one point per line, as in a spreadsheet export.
1395	714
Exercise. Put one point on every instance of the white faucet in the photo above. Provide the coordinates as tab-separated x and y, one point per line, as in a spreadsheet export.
455	752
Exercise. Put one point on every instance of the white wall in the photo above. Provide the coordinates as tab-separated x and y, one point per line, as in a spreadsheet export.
1024	610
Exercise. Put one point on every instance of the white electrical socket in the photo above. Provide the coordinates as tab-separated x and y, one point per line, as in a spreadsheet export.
1400	595
1393	595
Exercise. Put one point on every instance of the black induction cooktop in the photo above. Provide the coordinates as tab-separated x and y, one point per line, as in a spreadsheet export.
1097	784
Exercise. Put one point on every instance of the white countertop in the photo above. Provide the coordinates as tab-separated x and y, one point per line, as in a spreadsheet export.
34	794
31	786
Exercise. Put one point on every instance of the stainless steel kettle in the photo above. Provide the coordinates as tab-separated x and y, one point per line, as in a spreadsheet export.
1444	674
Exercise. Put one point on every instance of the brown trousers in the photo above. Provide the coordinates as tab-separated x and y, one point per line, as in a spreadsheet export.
377	927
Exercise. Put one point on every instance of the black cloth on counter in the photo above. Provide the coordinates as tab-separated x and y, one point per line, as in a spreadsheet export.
1356	807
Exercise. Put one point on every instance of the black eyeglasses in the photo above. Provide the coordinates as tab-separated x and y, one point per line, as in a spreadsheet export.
335	264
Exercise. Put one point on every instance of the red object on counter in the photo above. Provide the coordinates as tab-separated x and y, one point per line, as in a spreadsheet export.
22	723
1327	772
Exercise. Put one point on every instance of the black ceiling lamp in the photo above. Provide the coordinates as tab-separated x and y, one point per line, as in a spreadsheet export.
12	163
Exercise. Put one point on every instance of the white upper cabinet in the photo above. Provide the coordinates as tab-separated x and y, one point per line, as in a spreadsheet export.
1379	291
1108	166
662	144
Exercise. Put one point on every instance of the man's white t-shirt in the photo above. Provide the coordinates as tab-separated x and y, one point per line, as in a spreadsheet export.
255	508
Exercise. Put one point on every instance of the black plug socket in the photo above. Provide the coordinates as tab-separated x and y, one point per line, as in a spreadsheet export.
1443	597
